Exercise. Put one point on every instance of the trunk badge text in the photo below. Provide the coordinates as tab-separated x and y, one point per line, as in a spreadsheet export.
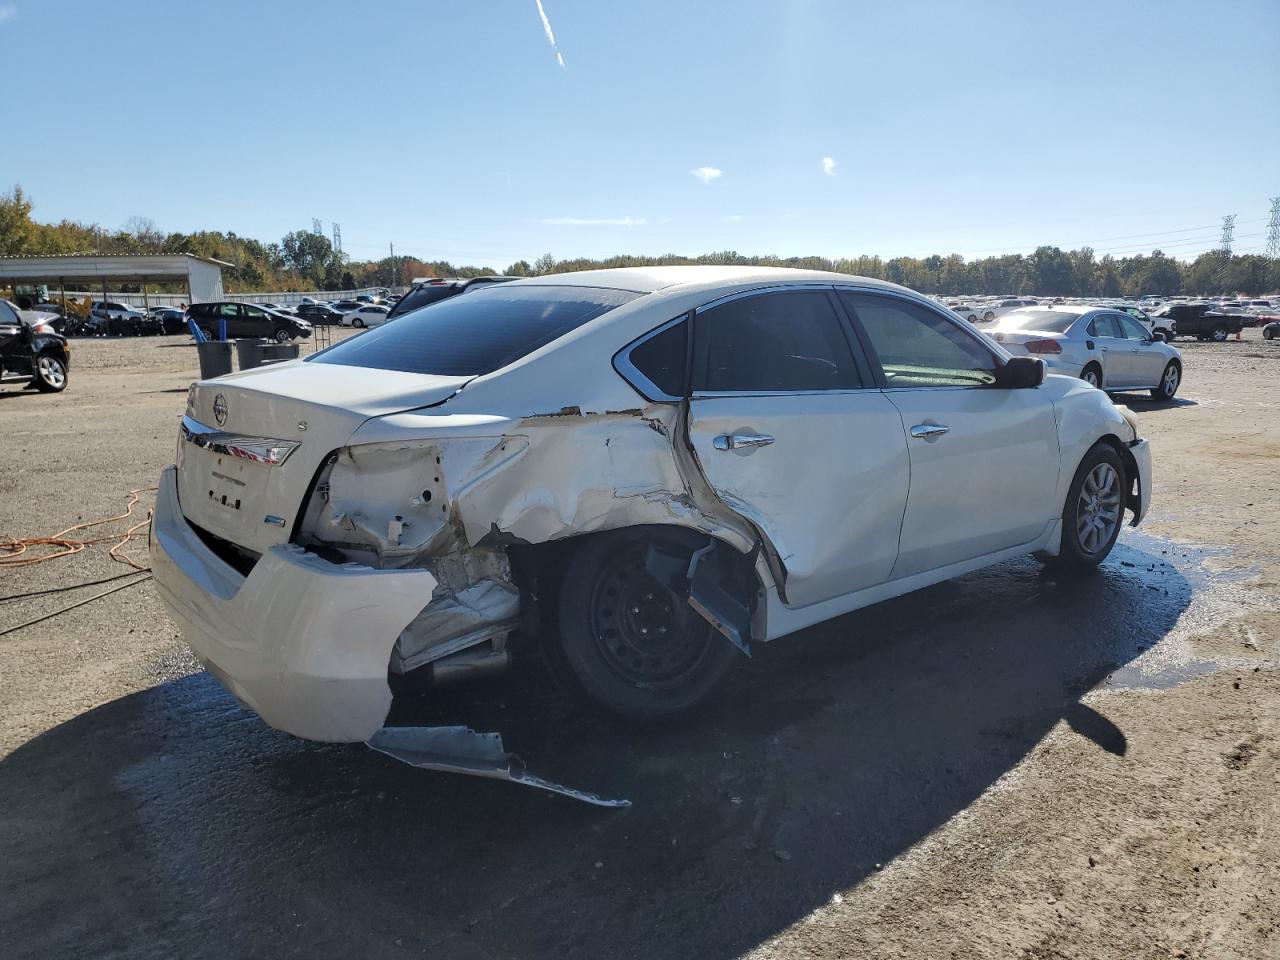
220	409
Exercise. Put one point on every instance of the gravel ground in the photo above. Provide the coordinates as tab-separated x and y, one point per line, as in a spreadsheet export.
1004	765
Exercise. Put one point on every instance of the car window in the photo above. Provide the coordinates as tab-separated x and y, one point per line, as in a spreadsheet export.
661	360
919	348
1045	321
7	314
476	334
1133	330
254	313
1105	325
773	342
228	310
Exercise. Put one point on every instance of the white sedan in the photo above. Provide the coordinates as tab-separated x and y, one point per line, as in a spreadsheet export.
1103	346
642	472
373	315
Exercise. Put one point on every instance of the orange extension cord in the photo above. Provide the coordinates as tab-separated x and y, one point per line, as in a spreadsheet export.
13	551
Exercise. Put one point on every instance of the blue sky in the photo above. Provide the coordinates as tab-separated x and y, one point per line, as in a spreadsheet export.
452	130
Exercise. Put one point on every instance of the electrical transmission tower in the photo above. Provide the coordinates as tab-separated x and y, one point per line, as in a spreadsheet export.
1273	231
1228	234
316	228
1222	274
337	239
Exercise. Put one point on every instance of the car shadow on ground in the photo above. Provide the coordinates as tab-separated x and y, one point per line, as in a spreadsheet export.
1143	403
173	823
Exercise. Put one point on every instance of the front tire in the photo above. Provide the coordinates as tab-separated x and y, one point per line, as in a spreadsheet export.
628	642
51	373
283	336
1220	334
1169	382
1094	510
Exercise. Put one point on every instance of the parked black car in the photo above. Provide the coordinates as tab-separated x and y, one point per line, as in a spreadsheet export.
171	321
432	291
319	313
247	320
41	360
1199	320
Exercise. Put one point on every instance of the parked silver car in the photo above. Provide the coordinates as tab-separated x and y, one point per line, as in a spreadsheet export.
1104	347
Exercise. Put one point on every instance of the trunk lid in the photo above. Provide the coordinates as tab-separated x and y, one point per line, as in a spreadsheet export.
317	406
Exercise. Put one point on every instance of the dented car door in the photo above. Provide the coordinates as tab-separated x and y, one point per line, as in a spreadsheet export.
790	433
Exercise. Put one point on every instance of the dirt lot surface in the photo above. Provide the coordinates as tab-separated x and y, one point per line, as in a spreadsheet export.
1007	765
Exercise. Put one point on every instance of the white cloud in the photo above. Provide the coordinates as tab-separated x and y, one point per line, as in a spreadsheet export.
7	12
829	166
733	218
707	174
590	222
546	28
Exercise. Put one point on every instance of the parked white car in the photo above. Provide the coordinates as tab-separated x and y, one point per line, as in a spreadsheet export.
374	315
639	471
995	311
1104	346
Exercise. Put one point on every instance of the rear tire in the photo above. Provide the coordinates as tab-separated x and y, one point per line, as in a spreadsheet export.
1094	511
1268	333
627	641
357	323
1092	375
1220	333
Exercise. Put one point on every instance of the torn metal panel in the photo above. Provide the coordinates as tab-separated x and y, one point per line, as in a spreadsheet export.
486	610
462	750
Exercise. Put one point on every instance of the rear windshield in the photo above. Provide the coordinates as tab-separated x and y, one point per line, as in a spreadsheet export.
1045	321
477	333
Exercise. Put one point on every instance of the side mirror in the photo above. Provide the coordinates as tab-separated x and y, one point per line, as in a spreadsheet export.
1158	337
1021	373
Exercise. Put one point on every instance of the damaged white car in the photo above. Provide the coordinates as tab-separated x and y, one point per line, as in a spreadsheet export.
631	475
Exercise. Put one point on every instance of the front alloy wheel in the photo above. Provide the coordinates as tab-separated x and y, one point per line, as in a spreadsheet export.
51	373
1092	515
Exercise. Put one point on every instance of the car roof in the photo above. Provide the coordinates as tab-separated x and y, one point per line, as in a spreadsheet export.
653	279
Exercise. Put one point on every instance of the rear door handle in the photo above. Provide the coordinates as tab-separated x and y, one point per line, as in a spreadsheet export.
928	431
732	441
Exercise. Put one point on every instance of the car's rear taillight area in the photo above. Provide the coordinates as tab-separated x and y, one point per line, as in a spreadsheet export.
1042	347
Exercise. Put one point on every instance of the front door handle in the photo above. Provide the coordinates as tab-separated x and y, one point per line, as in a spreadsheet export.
928	431
732	441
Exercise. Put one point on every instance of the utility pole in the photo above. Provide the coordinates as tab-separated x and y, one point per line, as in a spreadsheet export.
393	270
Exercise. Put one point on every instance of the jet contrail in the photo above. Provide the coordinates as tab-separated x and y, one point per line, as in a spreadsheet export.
551	37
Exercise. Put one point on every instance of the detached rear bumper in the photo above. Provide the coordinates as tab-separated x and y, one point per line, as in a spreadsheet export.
1141	451
303	642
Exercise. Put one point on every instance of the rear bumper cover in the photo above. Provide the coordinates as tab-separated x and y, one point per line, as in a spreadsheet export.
303	642
1141	451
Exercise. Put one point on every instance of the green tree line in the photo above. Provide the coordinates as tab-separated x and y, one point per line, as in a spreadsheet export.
302	260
